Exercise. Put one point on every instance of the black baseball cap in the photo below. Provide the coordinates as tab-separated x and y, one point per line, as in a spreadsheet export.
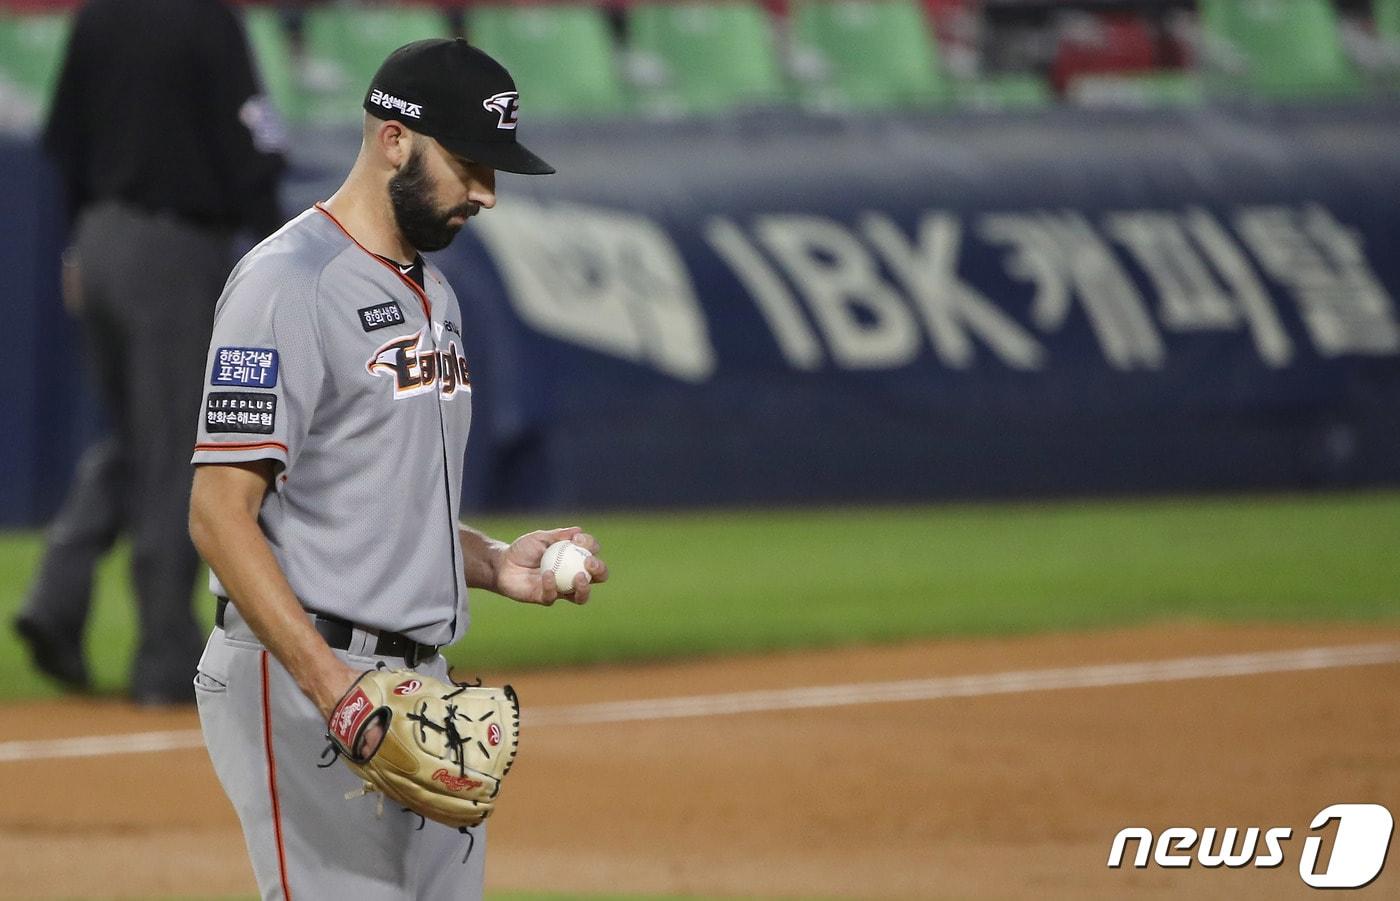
451	91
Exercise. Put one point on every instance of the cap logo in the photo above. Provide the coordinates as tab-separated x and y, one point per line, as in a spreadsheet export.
390	102
506	105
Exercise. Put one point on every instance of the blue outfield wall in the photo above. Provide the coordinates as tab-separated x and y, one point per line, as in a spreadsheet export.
777	309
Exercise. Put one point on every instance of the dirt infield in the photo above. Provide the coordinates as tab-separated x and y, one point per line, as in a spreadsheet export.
1016	794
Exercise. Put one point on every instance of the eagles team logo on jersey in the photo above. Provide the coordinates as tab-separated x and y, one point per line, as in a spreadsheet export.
506	105
417	367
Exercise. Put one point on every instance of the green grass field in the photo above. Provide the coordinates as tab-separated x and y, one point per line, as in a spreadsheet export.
688	584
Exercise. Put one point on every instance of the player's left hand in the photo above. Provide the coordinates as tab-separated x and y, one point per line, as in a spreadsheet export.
518	570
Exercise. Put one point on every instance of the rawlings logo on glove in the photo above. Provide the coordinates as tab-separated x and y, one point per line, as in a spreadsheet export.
445	747
349	716
456	783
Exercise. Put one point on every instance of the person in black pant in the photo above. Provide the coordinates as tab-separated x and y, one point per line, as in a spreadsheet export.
167	148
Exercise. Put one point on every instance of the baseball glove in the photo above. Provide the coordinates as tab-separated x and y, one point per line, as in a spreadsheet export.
445	748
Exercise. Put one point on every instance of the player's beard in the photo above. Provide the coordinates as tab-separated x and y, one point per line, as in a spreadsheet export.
422	224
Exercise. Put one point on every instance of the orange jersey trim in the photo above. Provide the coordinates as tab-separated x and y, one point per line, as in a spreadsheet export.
259	445
422	295
272	781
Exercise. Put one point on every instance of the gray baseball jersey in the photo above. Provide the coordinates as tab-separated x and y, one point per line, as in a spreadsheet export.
331	362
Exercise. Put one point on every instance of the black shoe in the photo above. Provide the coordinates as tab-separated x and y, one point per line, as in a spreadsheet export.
56	658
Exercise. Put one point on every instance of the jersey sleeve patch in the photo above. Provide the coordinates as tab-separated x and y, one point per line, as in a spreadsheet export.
240	411
382	316
245	367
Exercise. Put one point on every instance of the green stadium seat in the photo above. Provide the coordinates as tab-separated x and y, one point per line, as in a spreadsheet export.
272	55
31	53
346	44
867	54
1287	48
1387	16
703	57
1003	92
561	57
1144	90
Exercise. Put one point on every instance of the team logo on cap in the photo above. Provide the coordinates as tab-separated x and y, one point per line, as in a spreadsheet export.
506	105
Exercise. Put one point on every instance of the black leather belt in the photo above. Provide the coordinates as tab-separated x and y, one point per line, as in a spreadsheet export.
339	633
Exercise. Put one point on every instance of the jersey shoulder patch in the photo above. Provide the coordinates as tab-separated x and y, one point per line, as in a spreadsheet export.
244	367
240	411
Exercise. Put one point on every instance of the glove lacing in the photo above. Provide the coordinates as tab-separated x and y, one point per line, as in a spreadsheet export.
455	744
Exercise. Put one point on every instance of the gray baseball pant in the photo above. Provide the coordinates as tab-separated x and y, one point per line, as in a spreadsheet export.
307	841
150	283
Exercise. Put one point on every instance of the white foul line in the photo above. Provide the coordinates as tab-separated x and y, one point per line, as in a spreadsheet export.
969	686
1019	682
101	745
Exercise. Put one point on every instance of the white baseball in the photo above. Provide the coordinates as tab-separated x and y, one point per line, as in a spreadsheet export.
565	559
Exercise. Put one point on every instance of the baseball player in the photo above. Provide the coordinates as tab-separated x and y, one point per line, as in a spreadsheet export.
337	401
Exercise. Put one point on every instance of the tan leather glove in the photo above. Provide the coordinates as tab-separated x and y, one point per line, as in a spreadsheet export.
445	747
